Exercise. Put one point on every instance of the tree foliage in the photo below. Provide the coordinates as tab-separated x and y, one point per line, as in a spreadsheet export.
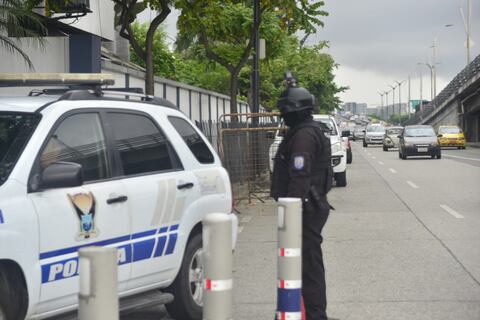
126	12
225	29
19	22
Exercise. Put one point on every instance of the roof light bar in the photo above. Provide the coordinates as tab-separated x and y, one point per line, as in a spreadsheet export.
55	79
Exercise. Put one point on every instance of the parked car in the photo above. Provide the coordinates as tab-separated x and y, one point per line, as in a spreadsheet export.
390	138
339	153
452	136
419	140
96	168
373	134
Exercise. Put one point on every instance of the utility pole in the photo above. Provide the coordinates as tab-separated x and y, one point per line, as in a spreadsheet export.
409	99
256	58
400	97
393	100
467	26
386	103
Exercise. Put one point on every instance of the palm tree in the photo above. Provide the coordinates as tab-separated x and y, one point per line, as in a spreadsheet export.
19	24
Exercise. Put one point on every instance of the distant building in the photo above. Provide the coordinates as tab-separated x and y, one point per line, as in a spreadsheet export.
352	108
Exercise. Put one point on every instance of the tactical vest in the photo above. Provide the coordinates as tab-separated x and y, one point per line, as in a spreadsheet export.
321	171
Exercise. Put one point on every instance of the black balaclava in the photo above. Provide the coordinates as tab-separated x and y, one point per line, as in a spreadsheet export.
293	119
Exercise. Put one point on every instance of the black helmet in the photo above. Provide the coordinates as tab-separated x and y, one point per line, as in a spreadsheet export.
295	99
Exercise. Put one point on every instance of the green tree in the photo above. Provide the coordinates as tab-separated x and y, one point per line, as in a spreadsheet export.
19	24
224	29
163	58
126	12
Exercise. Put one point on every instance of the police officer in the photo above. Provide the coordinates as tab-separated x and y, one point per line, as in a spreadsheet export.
302	169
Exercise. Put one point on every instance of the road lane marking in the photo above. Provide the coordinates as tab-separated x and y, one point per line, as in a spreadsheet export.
392	170
463	158
413	185
451	211
380	162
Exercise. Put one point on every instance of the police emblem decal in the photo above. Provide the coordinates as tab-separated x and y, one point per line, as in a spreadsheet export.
298	162
84	205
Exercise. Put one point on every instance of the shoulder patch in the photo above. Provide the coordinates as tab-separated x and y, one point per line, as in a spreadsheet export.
299	162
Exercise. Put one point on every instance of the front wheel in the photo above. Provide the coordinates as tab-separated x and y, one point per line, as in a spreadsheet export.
13	293
349	156
187	288
385	148
365	144
341	178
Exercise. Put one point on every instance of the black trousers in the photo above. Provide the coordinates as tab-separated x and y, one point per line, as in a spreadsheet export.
313	271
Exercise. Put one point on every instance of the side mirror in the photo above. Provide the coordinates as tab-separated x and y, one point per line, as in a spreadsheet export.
363	130
439	135
62	175
345	133
270	134
399	136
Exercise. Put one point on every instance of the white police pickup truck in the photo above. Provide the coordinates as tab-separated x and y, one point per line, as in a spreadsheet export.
339	152
86	169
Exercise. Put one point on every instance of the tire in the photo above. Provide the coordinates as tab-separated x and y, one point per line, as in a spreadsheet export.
385	148
399	155
188	292
349	156
439	156
13	293
341	178
433	156
404	156
365	145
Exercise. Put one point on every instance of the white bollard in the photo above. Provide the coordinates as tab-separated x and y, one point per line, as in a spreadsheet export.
98	296
218	261
289	292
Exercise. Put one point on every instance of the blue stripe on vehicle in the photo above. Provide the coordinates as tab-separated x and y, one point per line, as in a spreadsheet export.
60	252
289	300
143	250
174	227
1	217
144	234
163	230
171	243
160	246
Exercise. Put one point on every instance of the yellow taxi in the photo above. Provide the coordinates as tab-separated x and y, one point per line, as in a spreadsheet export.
451	136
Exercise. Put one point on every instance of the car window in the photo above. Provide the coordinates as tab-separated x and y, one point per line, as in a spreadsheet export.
419	132
193	140
447	130
142	146
329	123
15	130
375	129
79	138
396	131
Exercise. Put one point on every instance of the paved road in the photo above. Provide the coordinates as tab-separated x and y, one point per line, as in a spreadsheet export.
403	243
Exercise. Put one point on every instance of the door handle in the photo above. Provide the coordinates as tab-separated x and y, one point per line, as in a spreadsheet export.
187	185
117	199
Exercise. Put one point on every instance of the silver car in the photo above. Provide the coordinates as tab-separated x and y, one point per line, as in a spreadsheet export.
390	138
373	134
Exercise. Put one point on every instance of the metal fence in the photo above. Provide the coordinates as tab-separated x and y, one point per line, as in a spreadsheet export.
243	143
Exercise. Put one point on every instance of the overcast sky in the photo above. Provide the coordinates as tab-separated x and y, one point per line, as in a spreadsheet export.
378	42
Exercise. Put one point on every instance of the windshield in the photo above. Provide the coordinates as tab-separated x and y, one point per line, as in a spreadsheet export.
15	130
375	129
329	123
396	131
419	132
447	130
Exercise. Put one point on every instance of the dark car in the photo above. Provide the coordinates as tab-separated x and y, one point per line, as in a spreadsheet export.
418	141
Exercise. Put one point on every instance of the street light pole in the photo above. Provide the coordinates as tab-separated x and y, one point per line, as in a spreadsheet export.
434	62
386	103
409	99
431	77
393	100
399	97
467	25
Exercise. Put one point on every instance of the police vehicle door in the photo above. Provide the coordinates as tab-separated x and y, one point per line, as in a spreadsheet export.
159	191
95	213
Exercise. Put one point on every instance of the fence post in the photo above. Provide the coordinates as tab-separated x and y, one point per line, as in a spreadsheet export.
289	292
217	256
98	296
